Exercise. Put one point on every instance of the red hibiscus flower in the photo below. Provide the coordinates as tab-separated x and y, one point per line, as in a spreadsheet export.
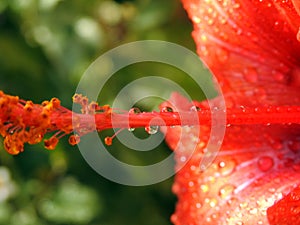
253	49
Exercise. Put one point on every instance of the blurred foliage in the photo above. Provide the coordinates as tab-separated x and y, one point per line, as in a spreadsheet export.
46	45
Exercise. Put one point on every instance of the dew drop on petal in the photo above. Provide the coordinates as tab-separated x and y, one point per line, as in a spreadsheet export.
151	129
253	211
250	74
232	201
196	19
213	202
265	163
295	195
278	76
182	158
222	55
198	205
226	190
294	79
204	188
295	210
294	145
296	167
226	167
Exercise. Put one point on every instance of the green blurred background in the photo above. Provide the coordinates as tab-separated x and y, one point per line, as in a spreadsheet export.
45	47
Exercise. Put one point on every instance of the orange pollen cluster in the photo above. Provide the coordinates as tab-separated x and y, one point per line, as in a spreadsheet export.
25	122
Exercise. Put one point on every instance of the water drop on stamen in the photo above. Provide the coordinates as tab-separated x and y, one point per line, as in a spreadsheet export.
135	110
151	129
166	109
131	129
195	108
108	141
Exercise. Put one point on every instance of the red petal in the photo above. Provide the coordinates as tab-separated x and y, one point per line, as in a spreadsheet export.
251	46
250	173
287	210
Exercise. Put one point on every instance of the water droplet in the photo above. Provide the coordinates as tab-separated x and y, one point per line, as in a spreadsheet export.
195	108
213	202
204	188
131	129
295	195
226	190
203	38
296	167
243	205
222	20
236	5
265	163
210	22
198	205
278	76
213	217
239	223
276	144
167	109
151	129
298	35
294	77
294	145
295	210
191	184
260	93
182	158
222	55
135	110
227	167
272	190
250	74
232	201
239	31
196	19
253	211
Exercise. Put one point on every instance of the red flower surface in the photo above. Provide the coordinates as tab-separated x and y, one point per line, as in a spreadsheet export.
253	49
